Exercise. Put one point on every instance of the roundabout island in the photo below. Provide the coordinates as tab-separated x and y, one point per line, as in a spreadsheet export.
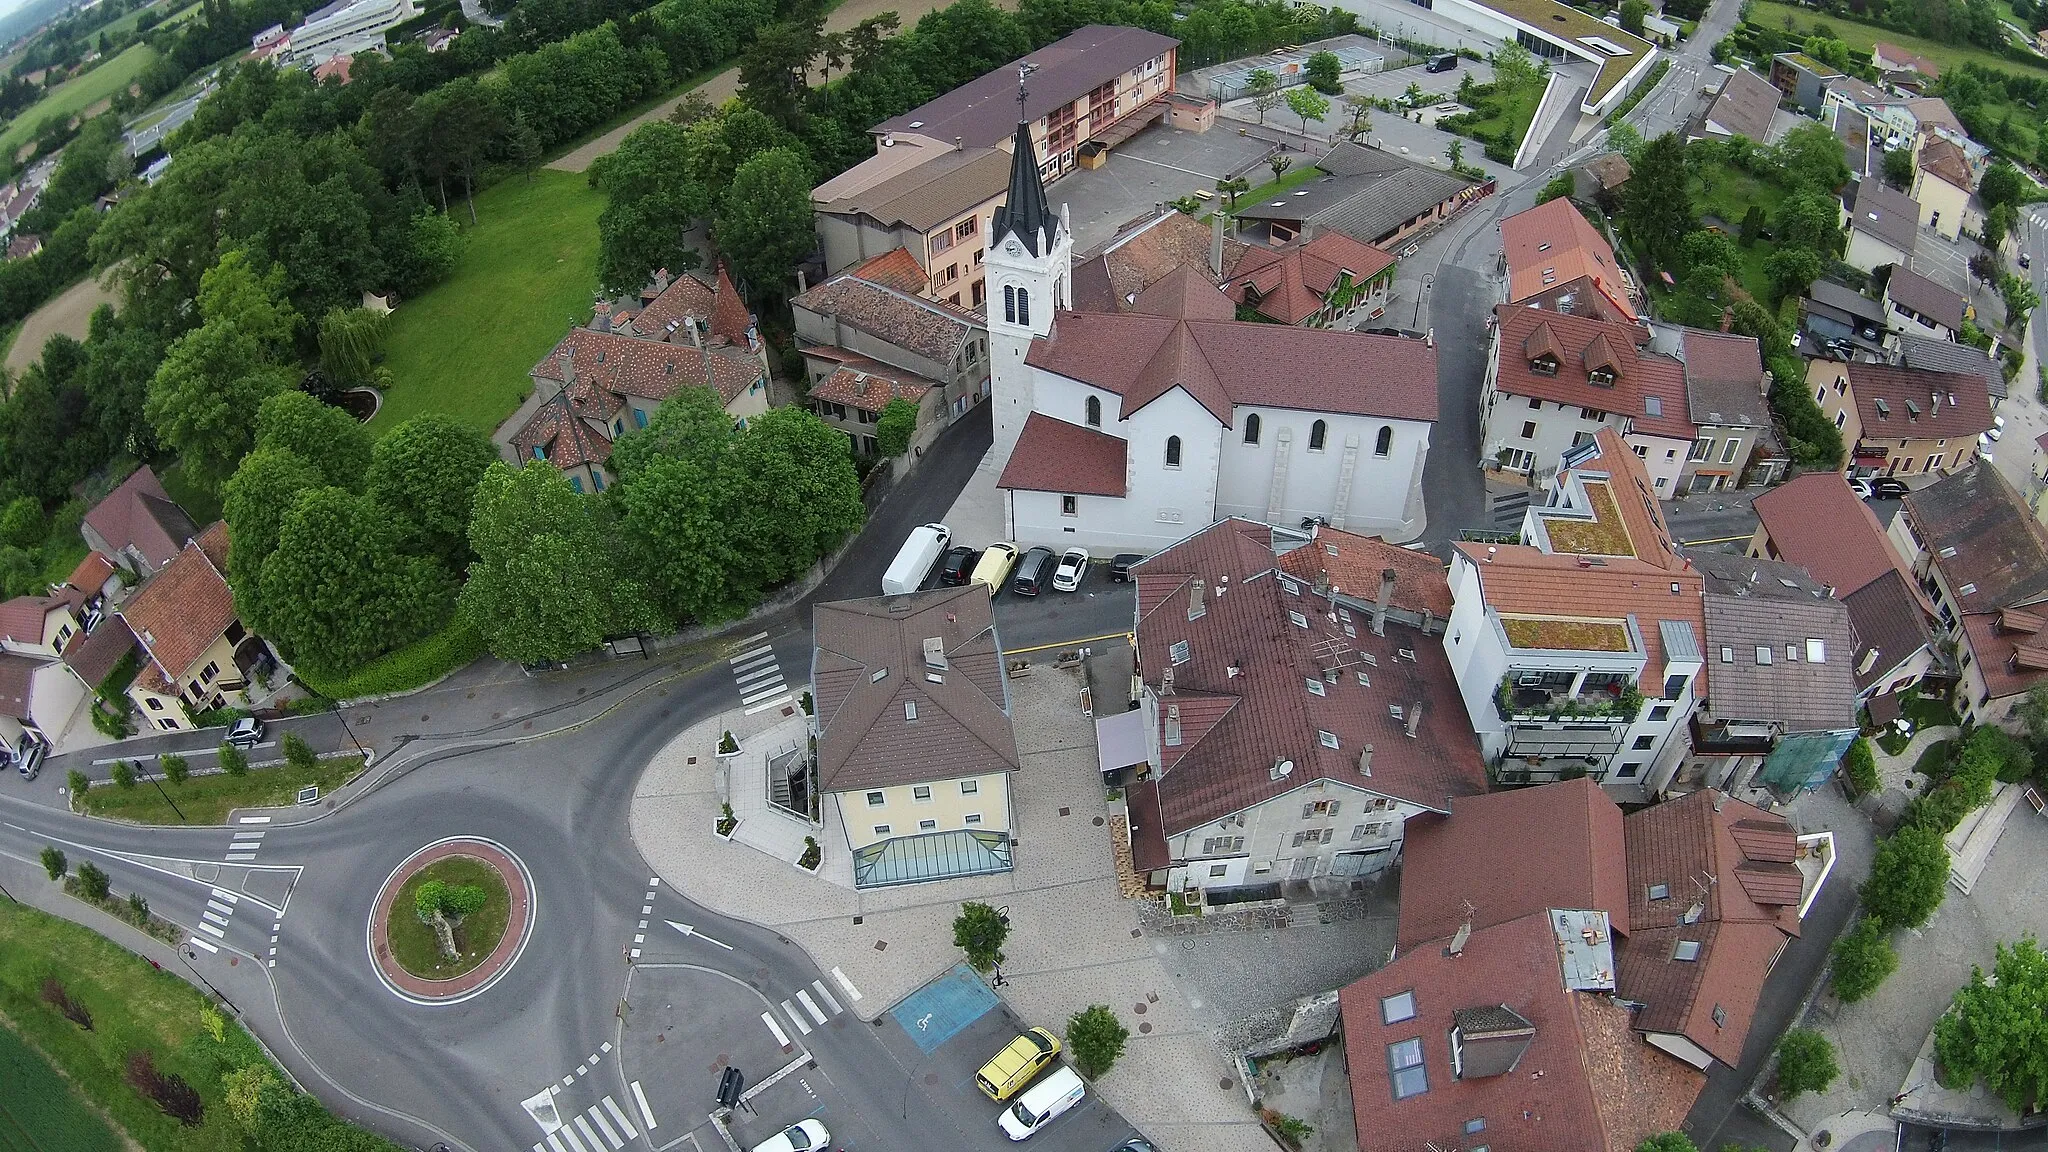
451	920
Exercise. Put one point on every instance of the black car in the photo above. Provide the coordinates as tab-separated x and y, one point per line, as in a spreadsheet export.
1442	63
957	565
1120	567
1889	488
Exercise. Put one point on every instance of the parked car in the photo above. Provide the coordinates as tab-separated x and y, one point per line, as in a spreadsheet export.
957	566
1073	566
1862	487
1135	1144
33	749
994	566
246	734
1042	1103
1009	1070
802	1136
2026	261
1032	572
1889	488
1997	427
1120	567
1443	62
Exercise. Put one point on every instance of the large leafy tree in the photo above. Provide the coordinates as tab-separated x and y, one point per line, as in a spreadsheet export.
678	513
322	435
257	498
803	494
1997	1032
338	590
205	395
1656	201
765	224
1810	220
1811	157
653	199
1907	876
425	472
545	584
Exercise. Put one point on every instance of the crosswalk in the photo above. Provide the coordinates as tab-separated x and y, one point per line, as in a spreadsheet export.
601	1126
759	676
242	849
805	1014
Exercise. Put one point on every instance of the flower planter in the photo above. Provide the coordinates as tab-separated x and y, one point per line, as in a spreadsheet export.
728	746
724	831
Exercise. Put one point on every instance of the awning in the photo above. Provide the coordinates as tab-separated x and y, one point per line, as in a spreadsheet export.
1120	740
1128	127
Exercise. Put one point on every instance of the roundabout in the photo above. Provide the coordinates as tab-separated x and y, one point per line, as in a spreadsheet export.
485	897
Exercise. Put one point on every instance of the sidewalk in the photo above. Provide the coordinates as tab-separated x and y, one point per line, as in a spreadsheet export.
1074	940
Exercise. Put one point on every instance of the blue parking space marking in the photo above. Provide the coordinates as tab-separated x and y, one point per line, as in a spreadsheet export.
938	1011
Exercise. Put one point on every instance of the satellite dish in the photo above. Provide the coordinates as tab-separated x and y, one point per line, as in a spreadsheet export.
1286	767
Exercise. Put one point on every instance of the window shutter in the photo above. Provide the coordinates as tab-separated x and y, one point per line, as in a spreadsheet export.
1297	839
1334	805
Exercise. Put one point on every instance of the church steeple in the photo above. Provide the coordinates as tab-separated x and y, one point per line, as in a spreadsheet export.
1024	210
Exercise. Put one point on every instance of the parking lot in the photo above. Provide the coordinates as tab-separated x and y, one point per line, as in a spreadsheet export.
1158	165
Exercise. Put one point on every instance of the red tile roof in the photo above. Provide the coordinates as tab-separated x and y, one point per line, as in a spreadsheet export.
140	514
95	656
1942	158
1055	456
1663	379
1508	854
22	618
897	269
869	385
1815	521
565	439
665	311
609	365
1242	692
1996	651
1576	345
1551	244
1353	564
1748	908
1921	405
1585	1084
17	682
92	573
180	612
729	316
1138	258
1291	283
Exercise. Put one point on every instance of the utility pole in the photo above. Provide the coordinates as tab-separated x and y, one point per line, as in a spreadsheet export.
166	795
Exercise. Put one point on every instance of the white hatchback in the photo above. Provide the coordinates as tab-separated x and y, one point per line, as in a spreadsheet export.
1073	566
802	1136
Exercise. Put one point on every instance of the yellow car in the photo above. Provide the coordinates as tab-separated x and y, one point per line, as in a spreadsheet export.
994	568
1011	1069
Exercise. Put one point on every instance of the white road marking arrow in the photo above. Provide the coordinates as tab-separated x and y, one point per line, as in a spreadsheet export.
688	930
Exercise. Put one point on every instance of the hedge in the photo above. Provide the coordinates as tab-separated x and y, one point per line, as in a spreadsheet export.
413	666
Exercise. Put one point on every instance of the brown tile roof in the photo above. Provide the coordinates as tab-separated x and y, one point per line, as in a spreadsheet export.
1815	521
1576	344
1352	565
22	618
1055	456
96	655
1242	692
1510	854
1886	214
1148	839
1919	405
1890	615
141	514
1551	244
1748	907
1898	56
180	612
1662	379
1292	282
1619	494
869	386
1611	170
565	439
1184	294
1750	606
1135	260
17	681
729	316
2000	549
932	193
1746	105
897	269
1997	650
1942	158
607	366
92	573
983	111
1586	1083
1724	376
913	324
1222	363
1937	302
664	313
870	674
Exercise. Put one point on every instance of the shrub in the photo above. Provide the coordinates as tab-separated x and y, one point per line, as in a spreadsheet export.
451	900
1560	186
299	754
1863	958
1096	1038
1907	877
1667	1142
812	854
59	997
137	906
898	424
92	881
77	782
414	666
1860	766
1806	1063
124	774
728	743
167	1090
54	862
233	760
174	767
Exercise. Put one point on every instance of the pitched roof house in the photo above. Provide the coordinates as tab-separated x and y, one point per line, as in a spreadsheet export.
1882	226
1551	253
1320	283
1744	108
1372	196
199	656
1289	737
1922	307
138	525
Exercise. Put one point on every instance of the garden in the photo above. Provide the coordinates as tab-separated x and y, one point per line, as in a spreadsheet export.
172	795
449	917
1502	110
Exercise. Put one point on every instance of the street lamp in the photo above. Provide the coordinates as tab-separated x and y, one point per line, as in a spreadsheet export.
166	795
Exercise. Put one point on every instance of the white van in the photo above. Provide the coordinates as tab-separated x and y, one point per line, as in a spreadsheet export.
915	561
1042	1103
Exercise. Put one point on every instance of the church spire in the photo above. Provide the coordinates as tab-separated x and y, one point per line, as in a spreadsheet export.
1024	210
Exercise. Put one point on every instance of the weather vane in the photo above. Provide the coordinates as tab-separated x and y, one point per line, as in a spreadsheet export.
1023	69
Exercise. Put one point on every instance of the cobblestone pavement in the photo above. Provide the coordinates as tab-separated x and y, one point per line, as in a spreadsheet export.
1074	939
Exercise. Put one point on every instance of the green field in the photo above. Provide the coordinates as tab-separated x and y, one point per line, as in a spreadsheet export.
1860	37
209	799
133	1008
127	23
527	272
77	94
1726	192
39	1112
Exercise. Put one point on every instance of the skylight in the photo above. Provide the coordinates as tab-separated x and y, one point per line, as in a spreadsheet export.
1398	1007
1297	619
1686	950
1816	651
1315	687
1404	1061
1328	739
1178	652
1660	891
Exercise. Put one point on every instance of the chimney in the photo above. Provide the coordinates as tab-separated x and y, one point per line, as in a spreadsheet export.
1380	603
1196	608
1727	319
1173	725
803	284
888	139
568	361
1414	718
1216	245
1868	662
1365	761
696	337
1166	681
959	145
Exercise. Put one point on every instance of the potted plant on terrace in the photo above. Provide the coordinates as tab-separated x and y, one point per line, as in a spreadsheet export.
726	822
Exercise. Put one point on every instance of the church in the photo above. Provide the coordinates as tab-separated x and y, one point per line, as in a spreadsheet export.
1127	430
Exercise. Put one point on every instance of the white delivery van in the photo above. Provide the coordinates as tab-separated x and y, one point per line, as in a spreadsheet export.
1042	1103
919	555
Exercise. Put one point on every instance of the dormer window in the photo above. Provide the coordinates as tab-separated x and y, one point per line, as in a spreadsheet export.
1543	366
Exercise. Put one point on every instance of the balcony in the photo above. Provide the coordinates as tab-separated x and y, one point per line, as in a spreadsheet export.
1732	737
1530	696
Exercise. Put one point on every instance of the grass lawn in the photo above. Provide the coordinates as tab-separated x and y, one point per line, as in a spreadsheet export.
1860	37
77	93
1304	170
527	271
39	1112
1511	111
412	940
198	503
1933	761
1726	193
173	15
208	799
133	1008
1929	712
